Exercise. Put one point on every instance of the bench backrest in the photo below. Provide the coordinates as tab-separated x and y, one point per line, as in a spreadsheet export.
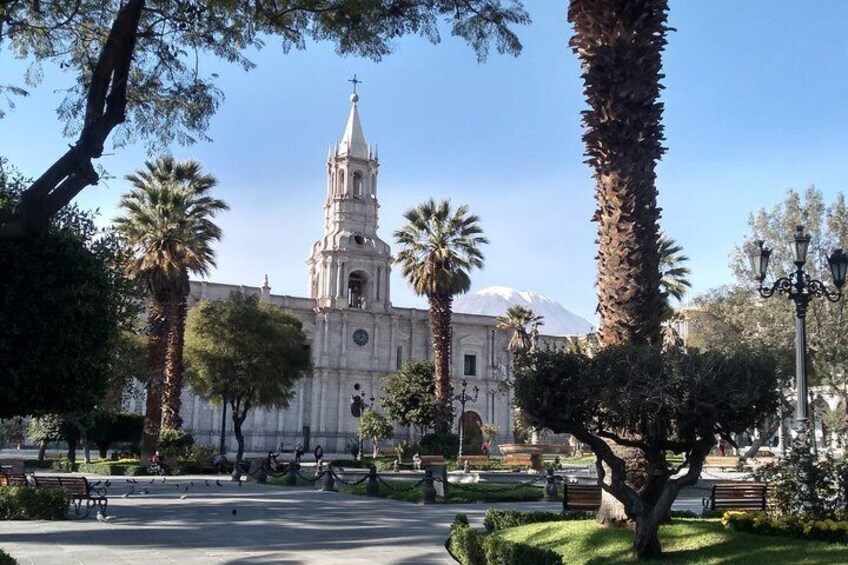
518	457
73	485
9	480
581	497
431	459
743	496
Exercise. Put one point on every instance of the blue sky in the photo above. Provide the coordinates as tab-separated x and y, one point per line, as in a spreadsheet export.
755	104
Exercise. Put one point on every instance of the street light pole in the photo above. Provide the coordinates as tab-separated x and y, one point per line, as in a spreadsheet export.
800	288
464	397
357	407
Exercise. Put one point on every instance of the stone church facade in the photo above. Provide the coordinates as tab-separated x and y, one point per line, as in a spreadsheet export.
356	335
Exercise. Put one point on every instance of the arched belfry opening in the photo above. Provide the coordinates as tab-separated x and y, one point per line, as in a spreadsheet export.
341	181
357	284
357	184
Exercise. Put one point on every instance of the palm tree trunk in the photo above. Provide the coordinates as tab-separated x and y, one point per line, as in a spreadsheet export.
620	45
157	321
173	377
440	328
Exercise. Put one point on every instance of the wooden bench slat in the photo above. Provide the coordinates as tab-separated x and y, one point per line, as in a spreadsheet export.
581	497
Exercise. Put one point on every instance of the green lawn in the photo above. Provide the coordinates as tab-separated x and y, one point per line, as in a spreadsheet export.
685	541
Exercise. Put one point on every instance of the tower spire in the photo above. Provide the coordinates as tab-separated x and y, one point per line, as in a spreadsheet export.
353	142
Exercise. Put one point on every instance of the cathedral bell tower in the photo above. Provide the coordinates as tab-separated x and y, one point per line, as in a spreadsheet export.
350	264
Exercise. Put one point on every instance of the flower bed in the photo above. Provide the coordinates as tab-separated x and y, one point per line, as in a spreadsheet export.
794	526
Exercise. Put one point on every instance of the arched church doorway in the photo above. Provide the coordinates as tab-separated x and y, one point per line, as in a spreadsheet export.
357	283
472	434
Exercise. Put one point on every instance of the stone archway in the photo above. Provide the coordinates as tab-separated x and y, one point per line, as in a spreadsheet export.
472	433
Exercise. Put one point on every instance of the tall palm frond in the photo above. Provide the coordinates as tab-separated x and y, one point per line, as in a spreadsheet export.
518	319
675	275
439	248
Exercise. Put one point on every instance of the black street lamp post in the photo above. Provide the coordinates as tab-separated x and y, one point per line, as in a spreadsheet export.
357	407
464	397
800	288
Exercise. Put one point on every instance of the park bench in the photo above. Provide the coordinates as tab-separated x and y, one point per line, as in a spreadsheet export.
80	491
581	497
726	463
737	496
431	461
523	460
473	460
13	480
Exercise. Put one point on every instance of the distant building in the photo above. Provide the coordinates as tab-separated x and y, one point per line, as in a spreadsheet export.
357	337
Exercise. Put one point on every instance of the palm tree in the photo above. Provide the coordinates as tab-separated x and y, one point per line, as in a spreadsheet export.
517	320
674	280
620	44
439	248
167	225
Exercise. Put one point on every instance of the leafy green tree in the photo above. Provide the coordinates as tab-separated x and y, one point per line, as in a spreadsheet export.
654	402
725	317
65	304
136	63
439	247
43	430
245	353
168	226
375	426
409	396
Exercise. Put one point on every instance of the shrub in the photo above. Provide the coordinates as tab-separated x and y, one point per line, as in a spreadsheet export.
794	526
26	503
501	519
116	427
6	559
175	444
353	463
446	445
499	550
465	543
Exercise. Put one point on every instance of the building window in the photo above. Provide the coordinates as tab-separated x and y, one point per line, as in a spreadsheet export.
356	285
357	184
399	357
470	365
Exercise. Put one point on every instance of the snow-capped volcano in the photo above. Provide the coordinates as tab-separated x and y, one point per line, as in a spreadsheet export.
494	300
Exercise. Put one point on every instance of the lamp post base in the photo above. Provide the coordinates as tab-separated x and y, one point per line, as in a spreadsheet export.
804	458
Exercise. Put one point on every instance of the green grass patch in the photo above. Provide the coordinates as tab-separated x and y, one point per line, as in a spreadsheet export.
686	541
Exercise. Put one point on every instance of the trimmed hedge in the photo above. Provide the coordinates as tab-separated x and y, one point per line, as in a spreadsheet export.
497	519
470	547
112	468
26	503
833	531
6	559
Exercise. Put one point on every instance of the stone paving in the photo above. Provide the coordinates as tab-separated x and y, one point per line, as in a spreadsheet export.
270	525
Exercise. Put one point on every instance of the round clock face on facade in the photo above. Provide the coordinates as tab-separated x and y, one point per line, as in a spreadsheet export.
360	337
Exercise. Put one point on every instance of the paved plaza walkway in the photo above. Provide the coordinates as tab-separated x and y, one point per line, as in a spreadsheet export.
270	525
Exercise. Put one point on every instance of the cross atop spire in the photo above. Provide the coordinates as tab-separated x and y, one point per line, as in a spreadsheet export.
355	81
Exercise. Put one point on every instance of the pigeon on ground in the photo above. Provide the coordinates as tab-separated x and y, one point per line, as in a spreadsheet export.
192	483
207	482
128	481
217	482
183	497
133	481
163	480
186	489
129	492
145	491
151	481
108	483
235	511
102	517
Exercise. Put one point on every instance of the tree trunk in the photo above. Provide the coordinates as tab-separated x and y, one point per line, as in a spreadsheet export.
757	443
611	511
157	330
103	451
440	328
72	450
239	416
105	109
173	375
42	450
620	45
646	544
